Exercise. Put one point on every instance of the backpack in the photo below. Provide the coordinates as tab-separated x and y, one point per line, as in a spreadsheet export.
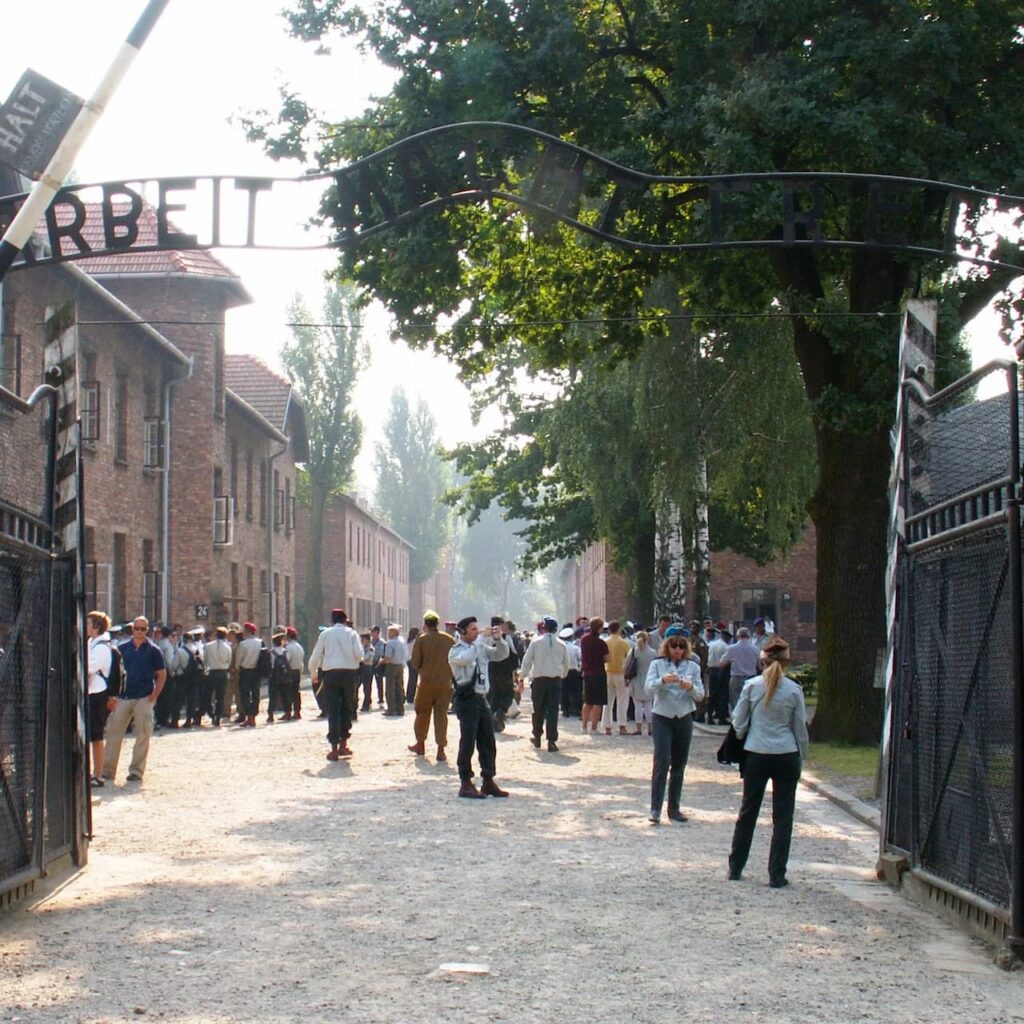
280	673
630	669
115	678
264	663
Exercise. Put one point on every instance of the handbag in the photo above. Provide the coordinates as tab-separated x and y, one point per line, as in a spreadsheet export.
732	750
630	669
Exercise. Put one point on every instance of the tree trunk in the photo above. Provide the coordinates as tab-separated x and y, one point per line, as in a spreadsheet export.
702	540
670	581
314	595
850	511
641	593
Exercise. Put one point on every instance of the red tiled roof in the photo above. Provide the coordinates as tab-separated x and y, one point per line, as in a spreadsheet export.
257	385
195	262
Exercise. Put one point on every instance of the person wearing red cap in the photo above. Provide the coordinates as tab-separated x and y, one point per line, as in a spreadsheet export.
296	658
248	677
339	651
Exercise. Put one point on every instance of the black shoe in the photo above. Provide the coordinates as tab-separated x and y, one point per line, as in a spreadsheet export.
535	740
132	777
774	883
654	820
674	814
552	747
735	876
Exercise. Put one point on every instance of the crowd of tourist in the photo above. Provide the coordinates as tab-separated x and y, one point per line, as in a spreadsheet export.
616	678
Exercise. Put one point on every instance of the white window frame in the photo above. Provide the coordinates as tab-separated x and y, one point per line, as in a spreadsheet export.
223	520
153	443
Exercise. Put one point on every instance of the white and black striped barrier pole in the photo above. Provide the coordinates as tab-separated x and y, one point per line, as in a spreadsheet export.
17	235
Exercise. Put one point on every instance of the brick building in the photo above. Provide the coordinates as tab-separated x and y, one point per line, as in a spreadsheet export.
189	455
364	564
741	590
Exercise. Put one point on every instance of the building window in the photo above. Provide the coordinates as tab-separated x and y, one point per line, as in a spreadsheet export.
218	375
264	589
153	443
223	519
805	611
89	410
119	582
278	502
98	590
250	603
715	611
233	468
121	418
248	485
264	491
289	506
10	362
288	599
235	595
151	595
350	542
275	599
757	603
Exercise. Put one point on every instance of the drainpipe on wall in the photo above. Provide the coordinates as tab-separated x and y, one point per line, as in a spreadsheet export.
165	496
272	596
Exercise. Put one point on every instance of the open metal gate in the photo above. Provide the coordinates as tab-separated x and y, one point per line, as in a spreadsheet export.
954	737
43	800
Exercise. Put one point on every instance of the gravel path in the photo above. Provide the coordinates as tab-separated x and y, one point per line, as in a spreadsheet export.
248	879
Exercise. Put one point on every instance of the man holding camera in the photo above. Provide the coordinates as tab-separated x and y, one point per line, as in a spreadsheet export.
469	659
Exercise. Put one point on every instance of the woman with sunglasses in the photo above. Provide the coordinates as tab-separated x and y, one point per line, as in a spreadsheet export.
674	684
771	715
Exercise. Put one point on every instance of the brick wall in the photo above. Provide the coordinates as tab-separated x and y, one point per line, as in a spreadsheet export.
364	565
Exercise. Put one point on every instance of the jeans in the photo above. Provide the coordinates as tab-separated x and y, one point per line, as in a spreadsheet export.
476	724
784	772
546	691
340	690
671	752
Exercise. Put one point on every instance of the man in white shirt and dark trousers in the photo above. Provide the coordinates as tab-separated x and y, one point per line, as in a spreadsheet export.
468	659
339	651
546	662
217	662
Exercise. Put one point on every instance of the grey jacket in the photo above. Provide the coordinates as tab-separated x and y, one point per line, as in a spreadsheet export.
778	726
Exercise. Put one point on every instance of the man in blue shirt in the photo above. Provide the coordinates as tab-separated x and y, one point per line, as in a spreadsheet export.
144	676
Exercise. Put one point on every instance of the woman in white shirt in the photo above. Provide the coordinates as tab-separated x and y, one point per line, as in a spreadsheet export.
771	715
100	658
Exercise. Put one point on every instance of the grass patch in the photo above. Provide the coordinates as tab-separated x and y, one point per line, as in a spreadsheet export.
841	759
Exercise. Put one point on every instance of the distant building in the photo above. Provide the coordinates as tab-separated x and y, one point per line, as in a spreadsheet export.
741	590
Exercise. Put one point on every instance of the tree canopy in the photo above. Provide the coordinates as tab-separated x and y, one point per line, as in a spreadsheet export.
924	88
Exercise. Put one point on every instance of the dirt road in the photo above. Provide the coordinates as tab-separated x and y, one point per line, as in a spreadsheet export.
249	880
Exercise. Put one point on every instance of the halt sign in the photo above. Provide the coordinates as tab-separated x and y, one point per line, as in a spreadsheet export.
33	122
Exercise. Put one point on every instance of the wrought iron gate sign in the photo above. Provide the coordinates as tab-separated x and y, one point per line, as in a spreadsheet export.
478	162
33	121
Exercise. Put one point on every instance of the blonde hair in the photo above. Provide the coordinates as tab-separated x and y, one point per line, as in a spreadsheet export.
641	640
675	638
775	655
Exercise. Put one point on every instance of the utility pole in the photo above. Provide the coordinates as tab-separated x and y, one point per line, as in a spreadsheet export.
17	235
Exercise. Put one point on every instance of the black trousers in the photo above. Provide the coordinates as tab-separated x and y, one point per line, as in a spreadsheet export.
218	682
340	691
476	724
501	694
410	683
249	691
193	689
784	772
718	697
366	682
547	692
671	752
572	694
291	700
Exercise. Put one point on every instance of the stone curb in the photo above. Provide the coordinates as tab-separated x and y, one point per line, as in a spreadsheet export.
864	813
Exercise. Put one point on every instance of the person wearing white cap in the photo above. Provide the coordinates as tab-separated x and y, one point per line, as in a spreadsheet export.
546	663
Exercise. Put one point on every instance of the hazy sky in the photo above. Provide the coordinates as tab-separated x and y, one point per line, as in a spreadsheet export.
205	61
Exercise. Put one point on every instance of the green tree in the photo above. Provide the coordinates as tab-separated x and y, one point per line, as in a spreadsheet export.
411	479
924	88
322	361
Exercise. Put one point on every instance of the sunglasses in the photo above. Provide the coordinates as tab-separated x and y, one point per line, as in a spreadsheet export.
140	629
678	646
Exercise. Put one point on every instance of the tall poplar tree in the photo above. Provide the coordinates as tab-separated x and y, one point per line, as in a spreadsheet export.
411	479
323	360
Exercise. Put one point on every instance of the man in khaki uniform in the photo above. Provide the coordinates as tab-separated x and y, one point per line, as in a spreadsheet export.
434	685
